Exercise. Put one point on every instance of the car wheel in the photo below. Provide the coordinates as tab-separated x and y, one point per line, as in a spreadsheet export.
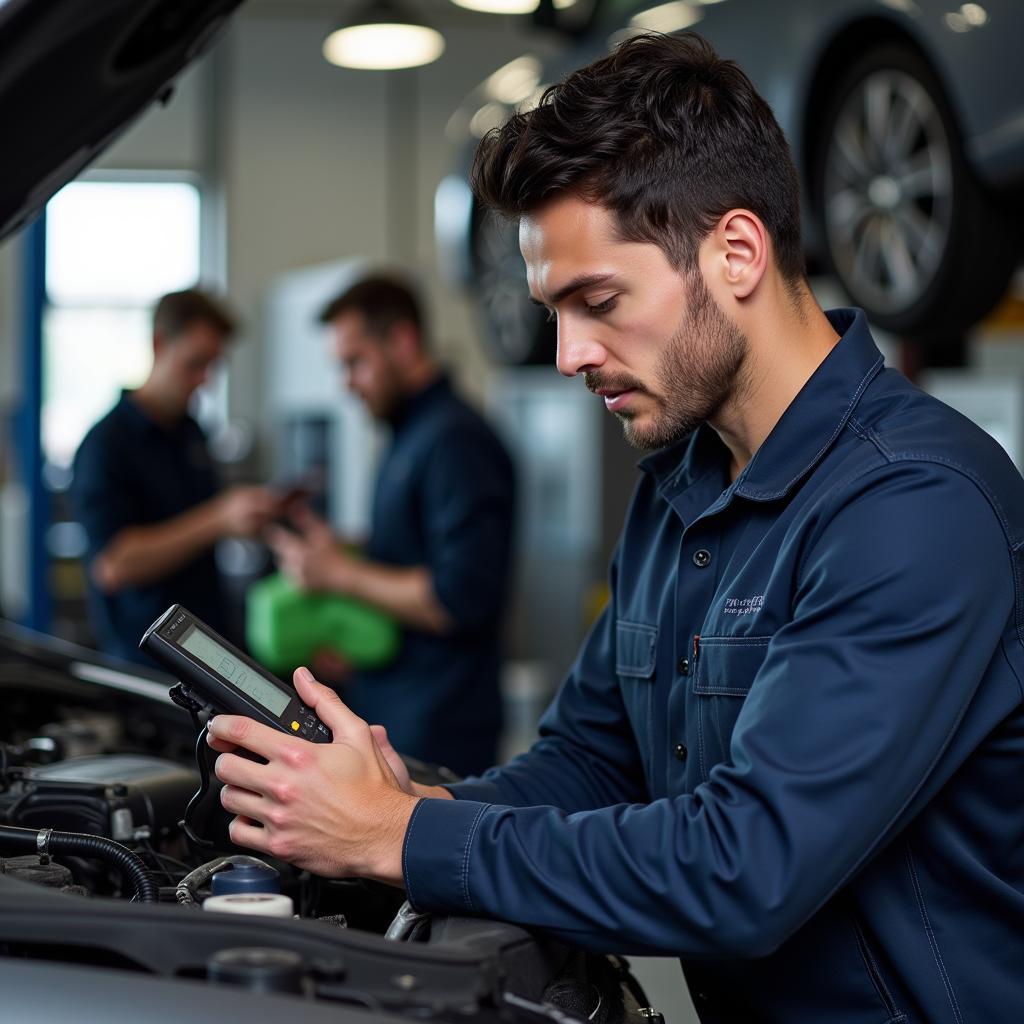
517	332
909	232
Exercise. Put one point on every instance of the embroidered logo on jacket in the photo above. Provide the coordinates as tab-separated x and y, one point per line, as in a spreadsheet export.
743	605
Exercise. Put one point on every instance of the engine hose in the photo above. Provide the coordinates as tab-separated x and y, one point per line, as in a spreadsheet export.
46	843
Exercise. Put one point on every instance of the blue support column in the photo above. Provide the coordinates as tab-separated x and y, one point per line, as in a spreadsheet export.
28	439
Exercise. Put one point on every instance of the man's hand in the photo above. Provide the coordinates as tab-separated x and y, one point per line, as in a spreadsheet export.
311	557
335	809
397	765
142	554
245	511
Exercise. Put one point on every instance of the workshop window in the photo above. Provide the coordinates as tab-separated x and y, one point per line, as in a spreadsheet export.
112	249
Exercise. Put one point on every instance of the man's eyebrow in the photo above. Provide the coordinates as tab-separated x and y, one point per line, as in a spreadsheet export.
575	285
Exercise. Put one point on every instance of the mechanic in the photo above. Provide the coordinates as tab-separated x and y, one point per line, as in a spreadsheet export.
439	552
791	752
145	490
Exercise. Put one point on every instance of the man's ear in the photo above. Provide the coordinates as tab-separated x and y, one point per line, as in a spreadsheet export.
741	252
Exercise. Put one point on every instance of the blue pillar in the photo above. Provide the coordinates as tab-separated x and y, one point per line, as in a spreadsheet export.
28	437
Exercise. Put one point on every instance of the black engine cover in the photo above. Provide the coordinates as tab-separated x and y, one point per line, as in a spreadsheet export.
113	795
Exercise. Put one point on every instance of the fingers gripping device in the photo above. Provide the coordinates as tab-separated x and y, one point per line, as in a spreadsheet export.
217	678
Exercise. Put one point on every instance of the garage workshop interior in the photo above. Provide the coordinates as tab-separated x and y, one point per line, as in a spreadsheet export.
606	413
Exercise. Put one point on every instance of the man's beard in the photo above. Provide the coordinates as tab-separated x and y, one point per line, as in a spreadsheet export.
696	374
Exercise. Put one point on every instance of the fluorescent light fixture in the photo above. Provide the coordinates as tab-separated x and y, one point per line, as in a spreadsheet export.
974	14
383	37
514	82
517	6
903	6
670	17
489	116
499	6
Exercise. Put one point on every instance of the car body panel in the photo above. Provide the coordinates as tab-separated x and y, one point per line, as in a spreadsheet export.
74	75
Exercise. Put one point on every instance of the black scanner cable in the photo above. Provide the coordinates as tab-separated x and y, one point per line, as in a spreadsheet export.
184	699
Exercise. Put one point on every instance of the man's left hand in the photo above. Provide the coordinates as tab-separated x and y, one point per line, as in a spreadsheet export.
335	809
310	556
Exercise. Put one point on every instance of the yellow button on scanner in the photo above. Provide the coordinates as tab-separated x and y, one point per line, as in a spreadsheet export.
295	726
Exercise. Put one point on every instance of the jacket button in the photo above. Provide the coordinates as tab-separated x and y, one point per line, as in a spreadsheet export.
684	666
681	752
701	558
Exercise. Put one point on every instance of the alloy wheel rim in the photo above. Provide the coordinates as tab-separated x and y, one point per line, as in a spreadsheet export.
888	191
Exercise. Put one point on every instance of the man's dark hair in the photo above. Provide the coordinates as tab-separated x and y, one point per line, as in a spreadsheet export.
383	301
663	133
176	312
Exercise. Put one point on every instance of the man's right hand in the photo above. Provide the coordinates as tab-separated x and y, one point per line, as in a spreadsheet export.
245	511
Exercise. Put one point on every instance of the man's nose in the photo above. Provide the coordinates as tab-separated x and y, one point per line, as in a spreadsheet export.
577	352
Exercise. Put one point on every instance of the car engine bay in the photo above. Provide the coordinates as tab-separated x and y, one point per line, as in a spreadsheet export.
96	871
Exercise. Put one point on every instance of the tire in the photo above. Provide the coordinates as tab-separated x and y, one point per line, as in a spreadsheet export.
911	235
517	331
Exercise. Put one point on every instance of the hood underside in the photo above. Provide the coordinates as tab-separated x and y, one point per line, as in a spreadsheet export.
73	75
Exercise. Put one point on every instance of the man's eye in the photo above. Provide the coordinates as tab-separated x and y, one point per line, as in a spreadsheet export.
602	307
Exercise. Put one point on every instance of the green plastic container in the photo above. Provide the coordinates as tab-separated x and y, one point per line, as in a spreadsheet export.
286	627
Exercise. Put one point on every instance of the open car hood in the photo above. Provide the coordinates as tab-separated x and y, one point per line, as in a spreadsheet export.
74	74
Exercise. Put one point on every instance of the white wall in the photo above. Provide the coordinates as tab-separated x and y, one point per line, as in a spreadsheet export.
323	163
165	137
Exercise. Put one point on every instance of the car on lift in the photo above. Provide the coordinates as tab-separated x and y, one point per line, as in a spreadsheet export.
101	883
906	121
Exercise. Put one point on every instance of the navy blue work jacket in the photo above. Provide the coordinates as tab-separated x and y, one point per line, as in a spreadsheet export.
791	751
444	500
132	471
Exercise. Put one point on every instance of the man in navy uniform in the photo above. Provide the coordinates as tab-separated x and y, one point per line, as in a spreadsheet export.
439	553
145	488
791	751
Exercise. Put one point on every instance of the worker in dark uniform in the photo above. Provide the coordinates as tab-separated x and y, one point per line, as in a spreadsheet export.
146	492
791	750
439	552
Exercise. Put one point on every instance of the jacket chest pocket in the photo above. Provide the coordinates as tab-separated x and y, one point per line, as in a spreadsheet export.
636	657
726	667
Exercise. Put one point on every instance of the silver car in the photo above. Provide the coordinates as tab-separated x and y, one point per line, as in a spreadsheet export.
906	119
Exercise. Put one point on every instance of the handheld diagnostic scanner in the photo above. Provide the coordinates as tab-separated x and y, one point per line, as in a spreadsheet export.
215	675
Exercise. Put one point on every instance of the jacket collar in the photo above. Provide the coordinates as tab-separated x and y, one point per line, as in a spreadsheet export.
141	421
412	406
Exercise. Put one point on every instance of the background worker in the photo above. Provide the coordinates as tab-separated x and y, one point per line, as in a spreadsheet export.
438	557
146	491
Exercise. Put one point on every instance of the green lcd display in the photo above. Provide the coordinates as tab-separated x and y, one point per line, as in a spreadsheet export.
233	669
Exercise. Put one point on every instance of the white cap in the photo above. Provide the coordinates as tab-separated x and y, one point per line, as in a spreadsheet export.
264	904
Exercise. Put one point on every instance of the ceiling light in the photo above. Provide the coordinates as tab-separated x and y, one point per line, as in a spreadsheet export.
515	6
489	116
515	81
383	36
974	14
670	17
499	6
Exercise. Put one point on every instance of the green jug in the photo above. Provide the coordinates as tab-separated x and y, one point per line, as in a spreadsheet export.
286	627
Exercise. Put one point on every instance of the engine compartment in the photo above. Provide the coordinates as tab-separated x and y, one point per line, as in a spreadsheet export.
88	749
